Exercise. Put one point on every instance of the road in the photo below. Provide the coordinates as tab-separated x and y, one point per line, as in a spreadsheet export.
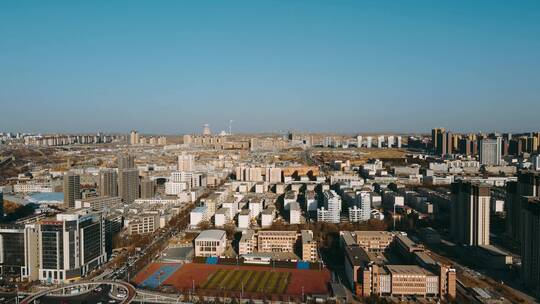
93	297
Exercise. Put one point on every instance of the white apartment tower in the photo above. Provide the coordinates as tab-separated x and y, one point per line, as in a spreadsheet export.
332	208
491	151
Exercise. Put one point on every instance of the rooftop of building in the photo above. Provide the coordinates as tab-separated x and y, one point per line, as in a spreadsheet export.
247	235
269	210
212	234
373	233
200	209
307	236
405	240
407	270
348	238
222	211
277	232
276	256
356	255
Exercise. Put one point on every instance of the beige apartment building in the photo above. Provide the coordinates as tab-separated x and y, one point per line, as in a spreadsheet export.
470	213
309	246
144	224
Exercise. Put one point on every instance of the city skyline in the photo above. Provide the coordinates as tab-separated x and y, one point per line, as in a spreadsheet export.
343	67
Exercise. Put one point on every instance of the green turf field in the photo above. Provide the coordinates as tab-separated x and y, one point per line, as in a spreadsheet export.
268	282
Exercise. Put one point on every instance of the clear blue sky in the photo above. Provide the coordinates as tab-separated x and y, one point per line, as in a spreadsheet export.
341	66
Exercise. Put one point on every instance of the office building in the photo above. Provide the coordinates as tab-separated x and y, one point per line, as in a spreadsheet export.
470	210
108	183
70	246
210	243
72	189
19	256
491	151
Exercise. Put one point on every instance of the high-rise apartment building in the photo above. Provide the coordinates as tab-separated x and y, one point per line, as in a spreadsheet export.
133	137
445	143
108	183
128	178
128	185
527	184
490	151
72	189
148	188
331	210
369	141
470	220
206	130
380	141
535	160
435	137
125	161
186	162
530	243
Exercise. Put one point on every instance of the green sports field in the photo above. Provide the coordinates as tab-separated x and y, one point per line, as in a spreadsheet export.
259	281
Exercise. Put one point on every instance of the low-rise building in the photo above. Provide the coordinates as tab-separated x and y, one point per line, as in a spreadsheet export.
210	243
145	223
99	202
